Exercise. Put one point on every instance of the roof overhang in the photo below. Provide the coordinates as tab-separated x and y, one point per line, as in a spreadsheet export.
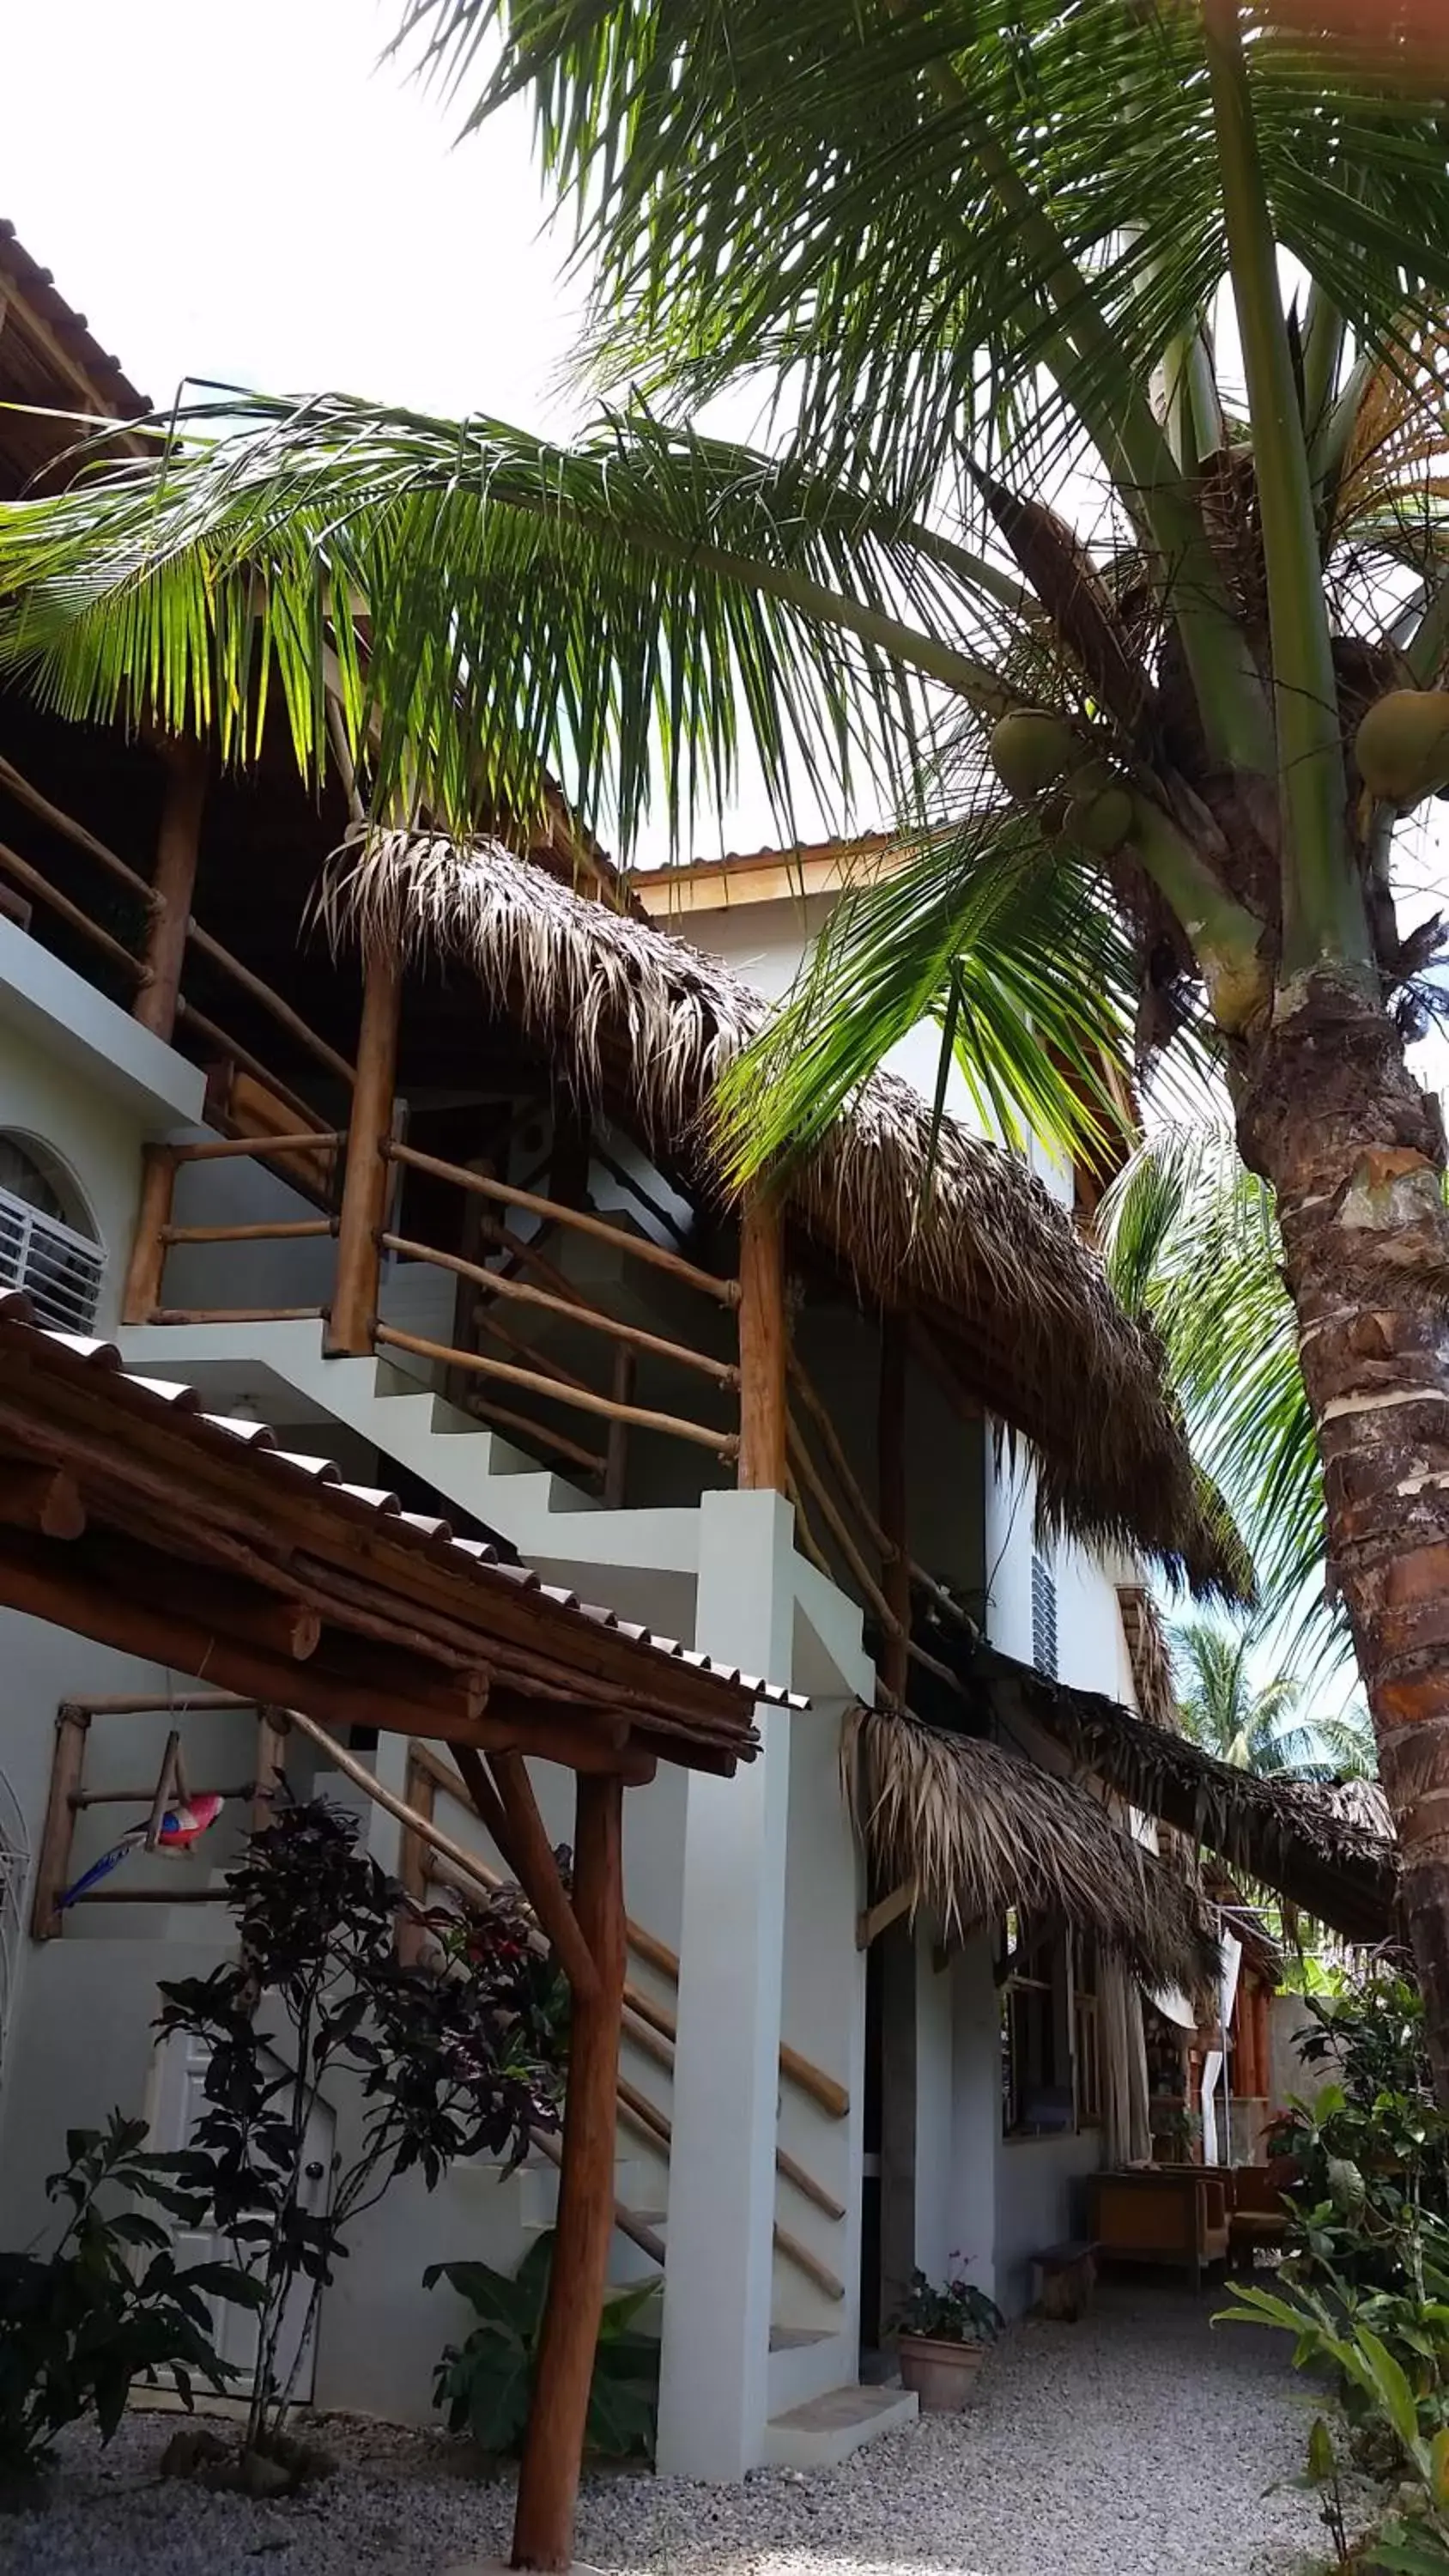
130	1516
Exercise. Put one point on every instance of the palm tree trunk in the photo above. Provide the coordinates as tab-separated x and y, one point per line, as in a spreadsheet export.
1330	1114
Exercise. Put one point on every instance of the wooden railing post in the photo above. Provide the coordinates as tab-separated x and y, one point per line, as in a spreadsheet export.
178	844
892	1506
553	2448
142	1292
365	1175
72	1726
764	1412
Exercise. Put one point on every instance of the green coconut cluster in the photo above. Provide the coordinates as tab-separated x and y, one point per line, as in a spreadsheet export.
1402	745
1040	760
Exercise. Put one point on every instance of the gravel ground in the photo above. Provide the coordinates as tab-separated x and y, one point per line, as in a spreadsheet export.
1138	2443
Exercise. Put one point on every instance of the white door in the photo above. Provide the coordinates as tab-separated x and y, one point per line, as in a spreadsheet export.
180	2103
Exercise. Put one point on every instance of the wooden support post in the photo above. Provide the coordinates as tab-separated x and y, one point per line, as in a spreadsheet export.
271	1764
616	1461
178	845
365	1176
413	1870
891	1476
549	2478
68	1764
142	1293
763	1410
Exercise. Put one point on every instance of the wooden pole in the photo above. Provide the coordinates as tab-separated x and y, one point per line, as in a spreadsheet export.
616	1463
891	1476
178	846
549	2479
142	1292
271	1765
365	1175
67	1767
763	1409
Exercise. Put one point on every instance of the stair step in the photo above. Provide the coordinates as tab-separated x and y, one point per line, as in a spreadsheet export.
795	2338
825	2430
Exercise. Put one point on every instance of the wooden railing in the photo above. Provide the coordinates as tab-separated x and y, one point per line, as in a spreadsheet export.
154	965
308	1154
877	1562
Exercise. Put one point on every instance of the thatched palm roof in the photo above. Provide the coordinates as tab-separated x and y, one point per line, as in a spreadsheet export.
1323	1849
646	1025
981	1833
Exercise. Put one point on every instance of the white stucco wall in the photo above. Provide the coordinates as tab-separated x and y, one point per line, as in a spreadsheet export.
81	1078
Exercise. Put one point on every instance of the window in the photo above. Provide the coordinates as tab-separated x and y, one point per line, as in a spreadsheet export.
1043	1616
1036	2067
47	1243
1086	2035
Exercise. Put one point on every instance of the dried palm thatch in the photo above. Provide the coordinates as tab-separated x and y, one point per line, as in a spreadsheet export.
981	1833
1315	1846
645	1026
1145	1630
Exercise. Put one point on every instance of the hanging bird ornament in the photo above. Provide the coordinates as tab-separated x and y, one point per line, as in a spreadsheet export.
177	1820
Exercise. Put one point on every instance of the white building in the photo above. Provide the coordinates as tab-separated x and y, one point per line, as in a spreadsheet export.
806	2119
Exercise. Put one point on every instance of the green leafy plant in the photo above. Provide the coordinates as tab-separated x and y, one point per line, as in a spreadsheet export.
454	2059
957	2312
485	2383
108	2304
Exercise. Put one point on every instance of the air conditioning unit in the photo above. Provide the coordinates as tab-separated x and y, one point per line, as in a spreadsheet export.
59	1270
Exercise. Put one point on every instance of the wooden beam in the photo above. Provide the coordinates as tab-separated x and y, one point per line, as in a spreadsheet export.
553	2448
627	2221
142	1292
271	1764
178	847
616	1463
529	1853
366	1176
57	1834
763	1460
41	1498
878	1918
891	1482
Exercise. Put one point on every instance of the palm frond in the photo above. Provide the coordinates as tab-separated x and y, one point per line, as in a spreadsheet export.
1190	1240
1003	940
494	609
956	196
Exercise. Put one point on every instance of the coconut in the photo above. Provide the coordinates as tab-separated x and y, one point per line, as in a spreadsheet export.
1100	820
1402	745
1030	751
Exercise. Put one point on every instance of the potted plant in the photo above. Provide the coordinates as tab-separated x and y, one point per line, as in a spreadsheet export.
940	2338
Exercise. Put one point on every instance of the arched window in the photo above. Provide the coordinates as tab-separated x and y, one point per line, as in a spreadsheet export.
48	1244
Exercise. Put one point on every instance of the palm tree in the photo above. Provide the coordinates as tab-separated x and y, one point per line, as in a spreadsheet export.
1024	550
1252	1725
1191	1243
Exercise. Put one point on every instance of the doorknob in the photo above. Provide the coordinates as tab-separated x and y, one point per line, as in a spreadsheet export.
315	2170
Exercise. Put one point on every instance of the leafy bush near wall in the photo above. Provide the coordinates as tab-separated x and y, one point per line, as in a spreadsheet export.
484	2384
458	2057
108	2304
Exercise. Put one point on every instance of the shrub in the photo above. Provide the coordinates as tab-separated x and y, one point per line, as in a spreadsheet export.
108	2304
485	2383
455	2059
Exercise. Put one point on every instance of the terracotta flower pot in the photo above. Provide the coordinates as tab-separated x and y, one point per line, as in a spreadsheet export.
942	2373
